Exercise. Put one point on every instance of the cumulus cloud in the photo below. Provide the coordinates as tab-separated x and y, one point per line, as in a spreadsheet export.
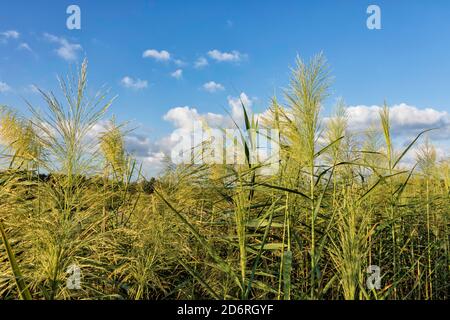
162	55
182	117
406	122
146	150
136	84
189	122
405	119
185	120
401	115
4	87
154	162
66	50
201	63
10	34
177	74
185	117
153	153
212	87
234	56
236	103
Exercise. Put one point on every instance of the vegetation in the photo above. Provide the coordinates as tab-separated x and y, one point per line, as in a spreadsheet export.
340	202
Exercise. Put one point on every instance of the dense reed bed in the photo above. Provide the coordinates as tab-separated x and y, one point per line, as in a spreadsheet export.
341	201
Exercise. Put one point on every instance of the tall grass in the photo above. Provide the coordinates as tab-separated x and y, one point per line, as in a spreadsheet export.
340	202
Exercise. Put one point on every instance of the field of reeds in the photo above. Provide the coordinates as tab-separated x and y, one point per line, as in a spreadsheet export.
342	201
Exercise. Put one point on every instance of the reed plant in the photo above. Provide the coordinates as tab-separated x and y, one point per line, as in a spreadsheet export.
341	201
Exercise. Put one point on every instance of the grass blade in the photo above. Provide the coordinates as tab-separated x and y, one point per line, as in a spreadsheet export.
24	293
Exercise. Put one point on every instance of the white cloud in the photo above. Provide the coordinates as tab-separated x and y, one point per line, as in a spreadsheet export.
67	50
4	87
162	55
201	62
406	122
235	103
212	86
234	56
179	62
185	117
154	162
404	119
135	84
182	117
142	147
10	34
153	153
177	74
404	115
24	46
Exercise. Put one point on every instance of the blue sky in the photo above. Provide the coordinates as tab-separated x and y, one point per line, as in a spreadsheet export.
257	42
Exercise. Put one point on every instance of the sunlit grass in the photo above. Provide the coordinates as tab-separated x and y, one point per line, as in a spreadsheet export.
339	203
